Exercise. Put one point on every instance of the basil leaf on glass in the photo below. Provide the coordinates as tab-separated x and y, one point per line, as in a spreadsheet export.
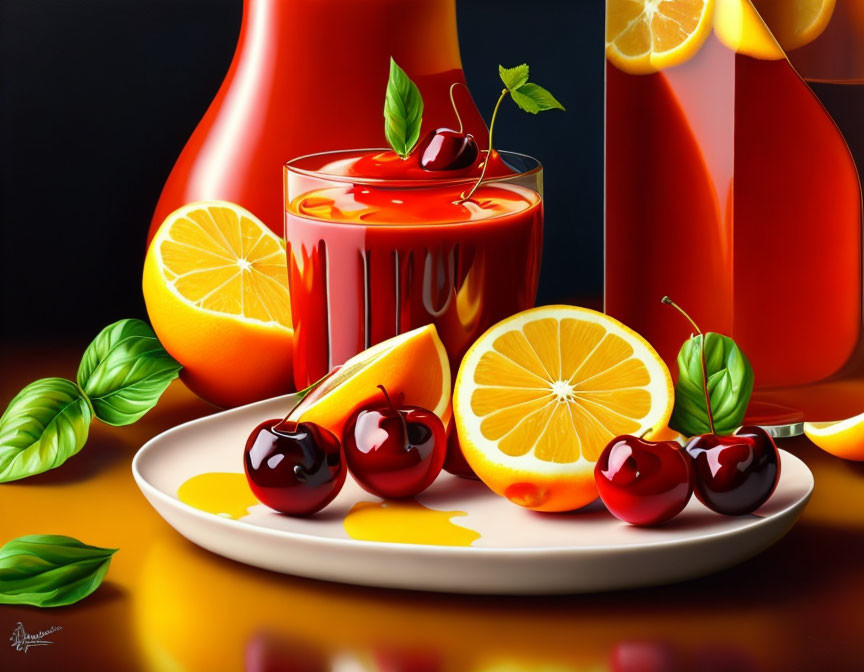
124	371
730	383
44	425
50	571
403	111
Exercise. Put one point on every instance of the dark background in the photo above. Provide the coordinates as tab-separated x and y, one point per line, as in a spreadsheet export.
97	98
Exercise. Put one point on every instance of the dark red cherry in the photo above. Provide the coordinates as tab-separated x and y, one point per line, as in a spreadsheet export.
455	461
735	474
446	149
294	468
268	651
394	452
643	482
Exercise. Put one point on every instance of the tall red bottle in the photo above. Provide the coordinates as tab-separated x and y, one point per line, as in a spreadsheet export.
310	76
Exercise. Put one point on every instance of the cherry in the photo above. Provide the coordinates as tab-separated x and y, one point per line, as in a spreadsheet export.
643	482
270	652
455	461
446	149
394	452
735	474
295	468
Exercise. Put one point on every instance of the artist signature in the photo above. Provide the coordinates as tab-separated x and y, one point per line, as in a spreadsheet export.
22	640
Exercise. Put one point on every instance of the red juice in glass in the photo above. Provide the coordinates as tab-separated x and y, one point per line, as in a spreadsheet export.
377	247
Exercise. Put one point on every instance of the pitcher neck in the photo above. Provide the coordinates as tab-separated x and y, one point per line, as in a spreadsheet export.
421	34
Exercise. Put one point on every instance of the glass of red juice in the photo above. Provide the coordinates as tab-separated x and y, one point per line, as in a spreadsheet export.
378	246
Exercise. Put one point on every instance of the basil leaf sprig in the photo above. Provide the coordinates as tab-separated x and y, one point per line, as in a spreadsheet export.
403	111
715	381
528	96
46	570
123	373
44	425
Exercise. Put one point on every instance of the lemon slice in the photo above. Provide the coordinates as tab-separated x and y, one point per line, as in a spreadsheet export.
539	396
739	26
844	438
643	36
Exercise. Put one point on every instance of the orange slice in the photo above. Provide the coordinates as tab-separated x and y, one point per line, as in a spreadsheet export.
216	287
413	368
643	36
540	395
844	438
796	22
739	26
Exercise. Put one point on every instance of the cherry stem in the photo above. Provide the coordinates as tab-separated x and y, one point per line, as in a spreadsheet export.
463	196
401	417
646	433
307	395
453	103
670	302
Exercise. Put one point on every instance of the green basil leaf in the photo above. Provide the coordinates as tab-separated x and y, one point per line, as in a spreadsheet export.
44	425
513	78
50	571
533	98
730	383
124	371
403	111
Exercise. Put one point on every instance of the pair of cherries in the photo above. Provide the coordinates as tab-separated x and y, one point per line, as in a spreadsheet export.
299	468
647	482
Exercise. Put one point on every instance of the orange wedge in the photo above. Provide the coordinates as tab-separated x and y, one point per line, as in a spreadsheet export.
413	368
844	438
216	287
540	395
796	22
643	36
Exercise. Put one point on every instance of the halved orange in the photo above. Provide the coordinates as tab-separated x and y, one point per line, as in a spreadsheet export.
643	36
540	395
413	368
216	287
796	22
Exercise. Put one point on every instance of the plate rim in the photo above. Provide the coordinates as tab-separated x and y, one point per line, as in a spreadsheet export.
150	490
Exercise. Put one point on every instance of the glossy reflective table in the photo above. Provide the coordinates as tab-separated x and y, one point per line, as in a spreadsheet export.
168	605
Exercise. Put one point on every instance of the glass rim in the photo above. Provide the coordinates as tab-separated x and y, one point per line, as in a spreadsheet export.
291	166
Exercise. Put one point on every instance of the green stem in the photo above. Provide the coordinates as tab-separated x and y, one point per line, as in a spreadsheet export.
670	302
453	103
464	197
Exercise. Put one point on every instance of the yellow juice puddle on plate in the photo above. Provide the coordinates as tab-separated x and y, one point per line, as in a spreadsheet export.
407	522
227	495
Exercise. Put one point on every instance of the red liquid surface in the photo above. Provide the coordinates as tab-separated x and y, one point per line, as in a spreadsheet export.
730	188
369	261
309	76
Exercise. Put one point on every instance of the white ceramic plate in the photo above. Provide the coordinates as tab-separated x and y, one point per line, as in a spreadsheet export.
518	551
